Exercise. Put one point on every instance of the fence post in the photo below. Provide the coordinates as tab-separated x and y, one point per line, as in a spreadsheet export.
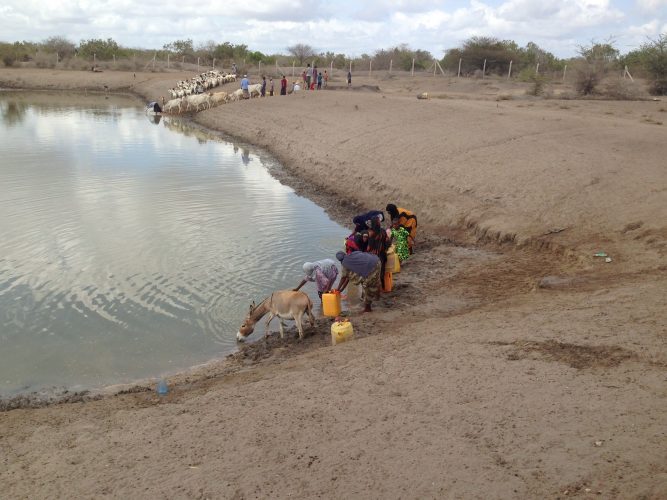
94	57
154	54
370	67
564	71
626	72
537	68
293	68
459	74
167	60
391	63
57	58
331	67
484	69
213	63
197	65
509	73
412	71
434	67
259	68
350	65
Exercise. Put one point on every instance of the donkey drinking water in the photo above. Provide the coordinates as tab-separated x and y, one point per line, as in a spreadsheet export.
286	304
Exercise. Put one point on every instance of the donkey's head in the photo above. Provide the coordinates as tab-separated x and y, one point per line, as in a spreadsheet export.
248	325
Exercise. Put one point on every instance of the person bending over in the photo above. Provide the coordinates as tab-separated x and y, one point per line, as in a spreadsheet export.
322	272
361	268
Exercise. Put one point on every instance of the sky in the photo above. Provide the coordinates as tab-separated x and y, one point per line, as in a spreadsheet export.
352	27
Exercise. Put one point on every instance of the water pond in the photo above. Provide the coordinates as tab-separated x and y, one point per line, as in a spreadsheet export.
132	246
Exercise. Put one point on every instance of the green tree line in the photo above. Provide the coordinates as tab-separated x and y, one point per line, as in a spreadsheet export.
474	55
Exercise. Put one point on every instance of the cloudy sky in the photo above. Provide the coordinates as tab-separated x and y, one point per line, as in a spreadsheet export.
352	27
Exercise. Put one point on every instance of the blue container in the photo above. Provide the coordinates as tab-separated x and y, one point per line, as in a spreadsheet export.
162	388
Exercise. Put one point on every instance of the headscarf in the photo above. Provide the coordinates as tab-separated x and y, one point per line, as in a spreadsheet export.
340	256
309	268
364	221
351	243
324	265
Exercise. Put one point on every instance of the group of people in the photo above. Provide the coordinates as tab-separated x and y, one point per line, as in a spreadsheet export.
312	79
365	257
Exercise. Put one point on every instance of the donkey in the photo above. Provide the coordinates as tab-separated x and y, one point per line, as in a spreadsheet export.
286	304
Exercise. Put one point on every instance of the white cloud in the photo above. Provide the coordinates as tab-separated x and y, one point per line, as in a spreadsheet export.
337	25
651	5
648	29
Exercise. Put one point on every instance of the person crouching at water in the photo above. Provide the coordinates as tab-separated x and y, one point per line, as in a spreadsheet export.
322	272
361	268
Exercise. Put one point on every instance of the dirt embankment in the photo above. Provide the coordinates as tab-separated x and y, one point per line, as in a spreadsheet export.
523	368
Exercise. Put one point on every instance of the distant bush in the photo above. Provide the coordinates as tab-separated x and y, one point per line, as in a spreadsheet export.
620	89
125	65
8	60
655	62
538	81
595	63
43	60
526	74
587	77
77	63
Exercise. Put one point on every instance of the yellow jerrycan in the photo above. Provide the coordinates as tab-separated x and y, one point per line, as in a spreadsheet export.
331	304
388	282
393	262
341	331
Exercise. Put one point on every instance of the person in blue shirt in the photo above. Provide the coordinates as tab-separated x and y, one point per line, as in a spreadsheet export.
244	86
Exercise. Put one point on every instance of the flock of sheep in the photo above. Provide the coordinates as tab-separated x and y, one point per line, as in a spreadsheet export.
201	83
191	95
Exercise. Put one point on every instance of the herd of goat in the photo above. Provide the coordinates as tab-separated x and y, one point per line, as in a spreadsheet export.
193	95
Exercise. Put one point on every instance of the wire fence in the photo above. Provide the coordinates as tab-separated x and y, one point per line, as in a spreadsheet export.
336	69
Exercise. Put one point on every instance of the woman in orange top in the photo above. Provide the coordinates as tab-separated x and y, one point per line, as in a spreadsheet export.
407	219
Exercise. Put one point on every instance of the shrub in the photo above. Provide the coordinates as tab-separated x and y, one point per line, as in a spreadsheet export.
8	60
620	89
587	77
538	81
655	63
43	60
596	61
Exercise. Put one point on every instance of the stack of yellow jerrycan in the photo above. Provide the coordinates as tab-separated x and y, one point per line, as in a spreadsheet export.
341	331
331	304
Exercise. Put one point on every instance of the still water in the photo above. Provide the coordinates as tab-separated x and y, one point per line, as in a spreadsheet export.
131	248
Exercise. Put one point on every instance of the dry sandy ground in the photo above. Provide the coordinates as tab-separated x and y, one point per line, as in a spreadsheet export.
508	362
